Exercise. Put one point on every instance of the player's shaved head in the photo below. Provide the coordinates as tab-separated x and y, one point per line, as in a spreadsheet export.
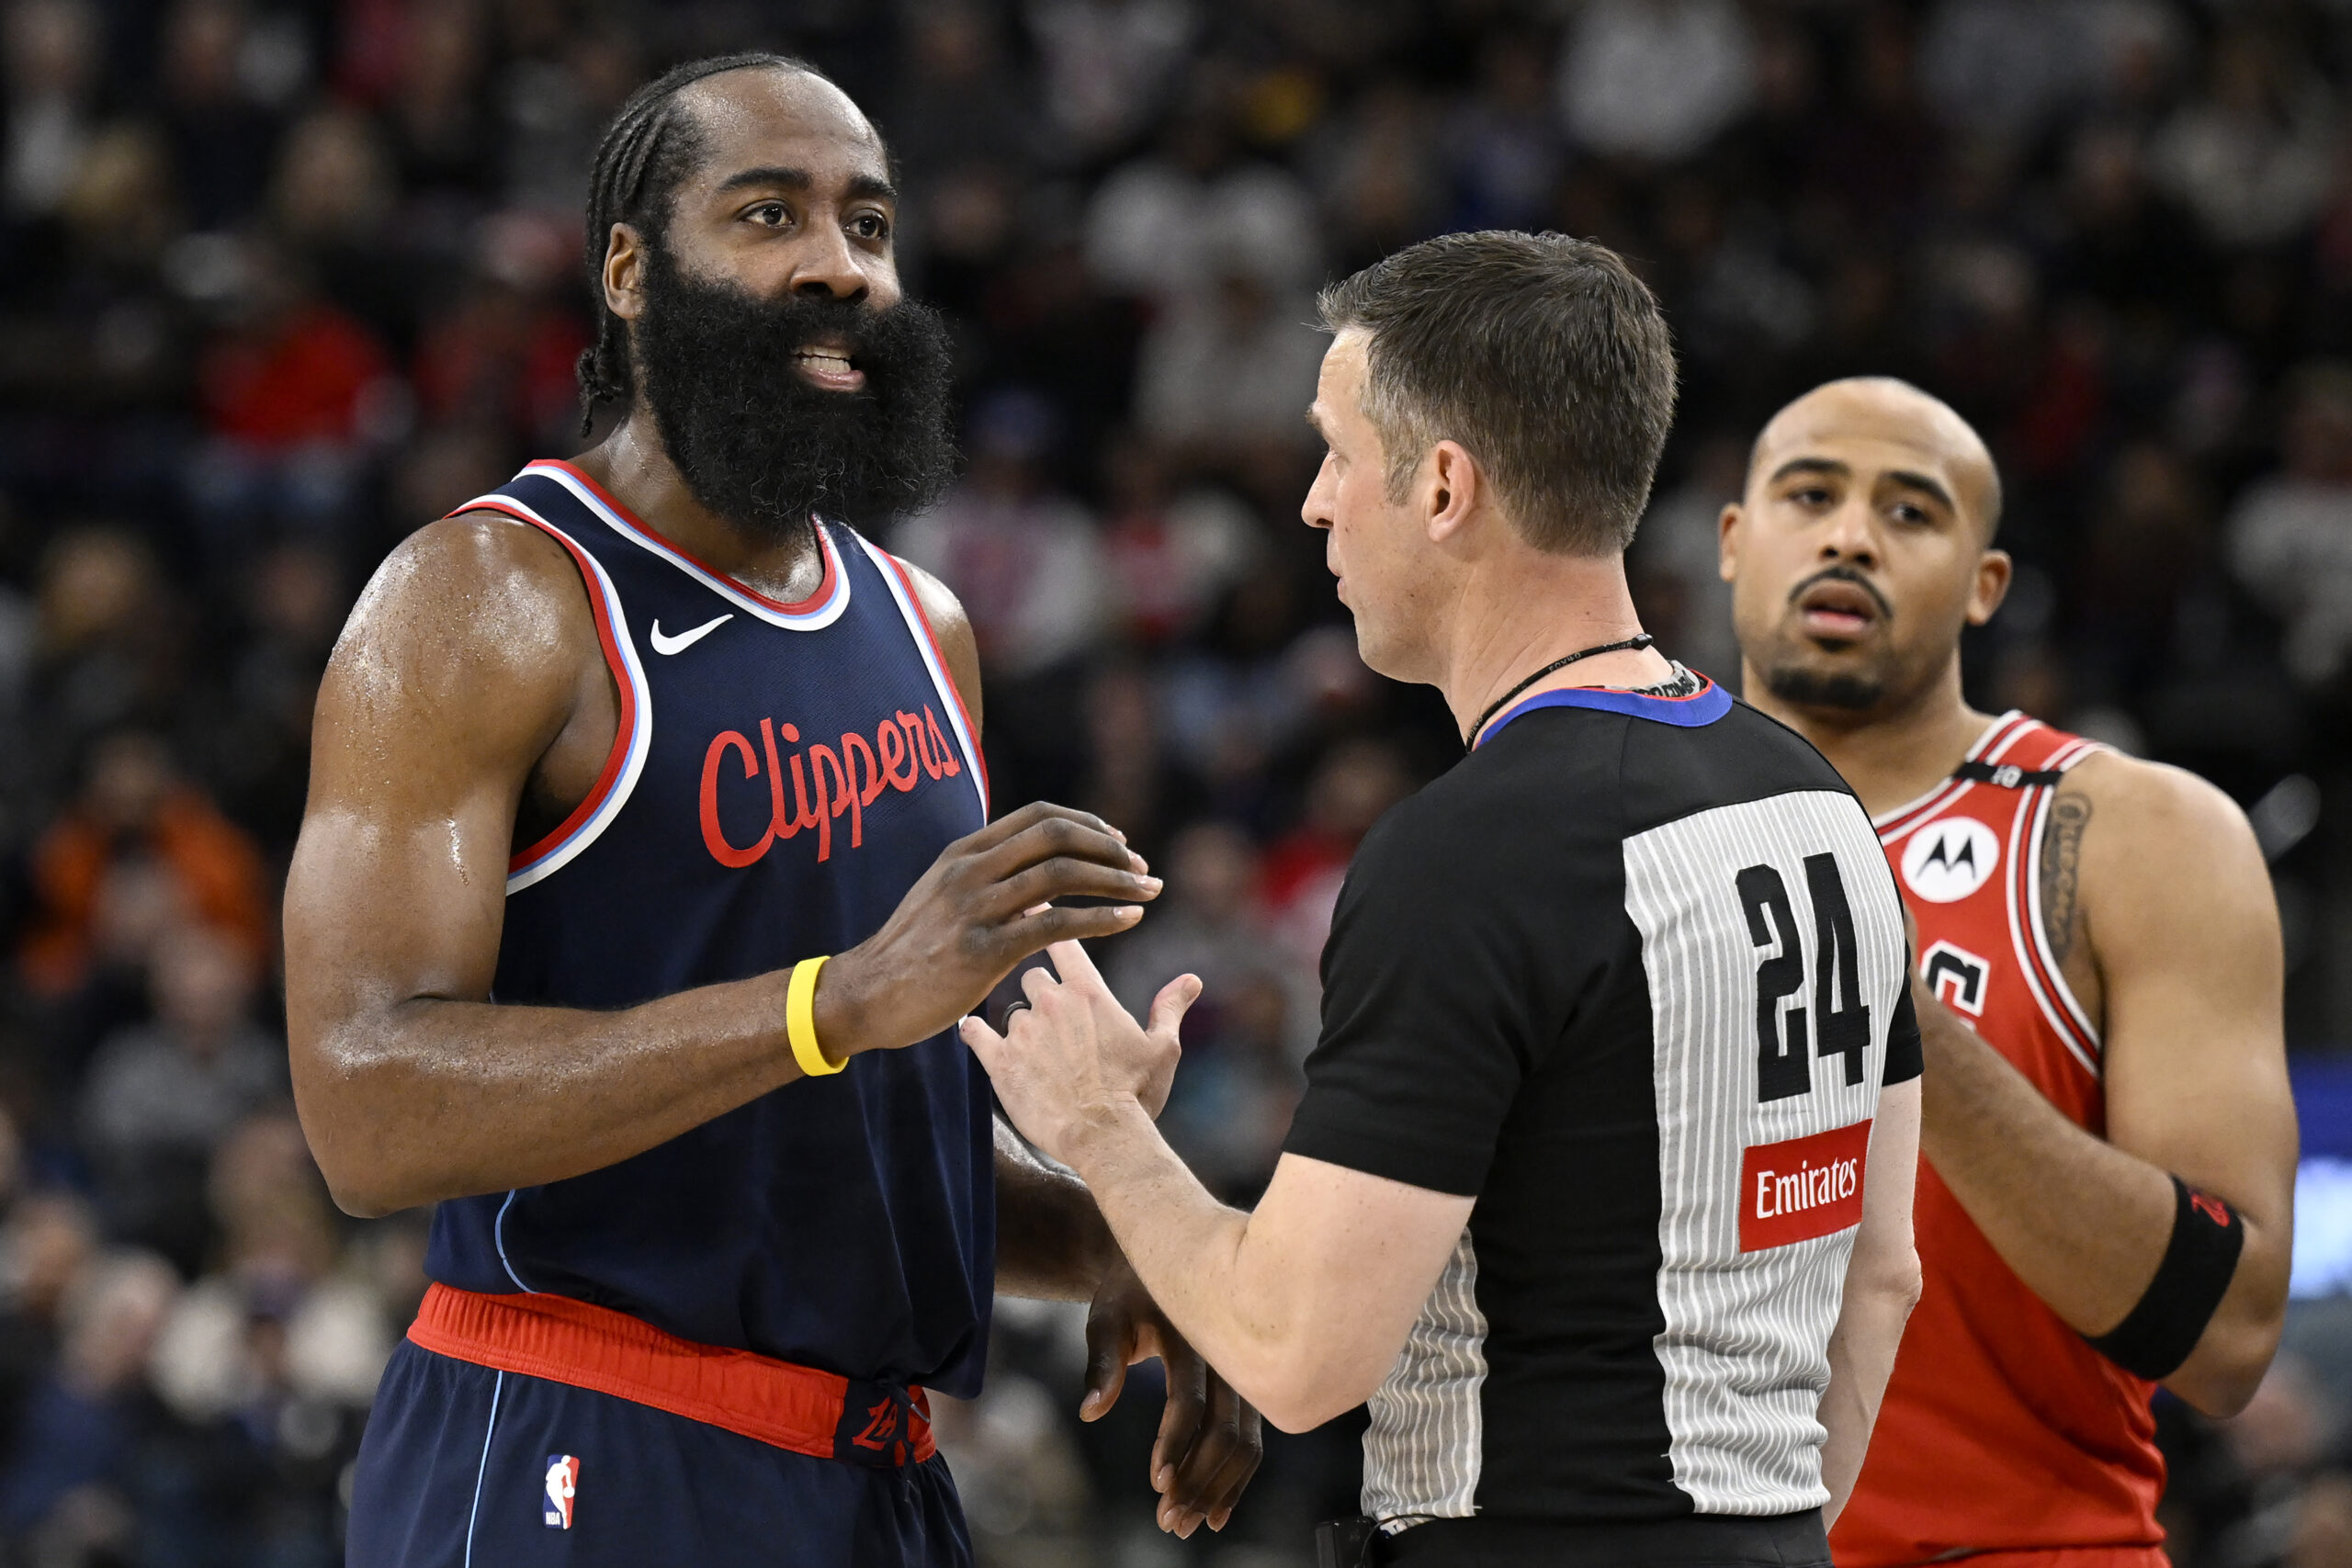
1860	547
1886	409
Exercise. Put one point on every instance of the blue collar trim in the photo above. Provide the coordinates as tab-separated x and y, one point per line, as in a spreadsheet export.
1701	707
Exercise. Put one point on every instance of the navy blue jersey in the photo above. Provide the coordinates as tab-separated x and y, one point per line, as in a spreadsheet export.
782	776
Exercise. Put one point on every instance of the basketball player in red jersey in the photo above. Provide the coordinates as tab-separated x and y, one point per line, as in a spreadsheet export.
2105	1201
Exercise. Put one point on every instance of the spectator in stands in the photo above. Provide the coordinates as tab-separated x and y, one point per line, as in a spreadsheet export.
1024	555
2251	156
332	199
2291	535
1226	371
1173	552
107	645
1108	67
222	136
161	1097
47	1244
50	51
1654	79
297	392
1164	225
1356	781
134	805
72	1461
1502	147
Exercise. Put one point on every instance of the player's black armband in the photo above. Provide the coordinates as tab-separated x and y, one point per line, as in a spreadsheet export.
2157	1337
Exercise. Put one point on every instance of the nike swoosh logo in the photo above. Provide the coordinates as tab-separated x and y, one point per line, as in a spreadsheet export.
684	640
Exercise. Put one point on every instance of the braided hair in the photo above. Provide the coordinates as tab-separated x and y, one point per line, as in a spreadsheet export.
646	151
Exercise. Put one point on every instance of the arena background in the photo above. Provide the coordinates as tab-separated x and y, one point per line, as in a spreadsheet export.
280	282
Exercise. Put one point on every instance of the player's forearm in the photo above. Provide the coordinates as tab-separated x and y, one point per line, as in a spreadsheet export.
1052	1243
429	1098
2083	1223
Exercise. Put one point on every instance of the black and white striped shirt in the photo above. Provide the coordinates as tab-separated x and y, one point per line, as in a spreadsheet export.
1631	975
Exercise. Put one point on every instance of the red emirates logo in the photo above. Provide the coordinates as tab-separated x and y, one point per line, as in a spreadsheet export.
1801	1188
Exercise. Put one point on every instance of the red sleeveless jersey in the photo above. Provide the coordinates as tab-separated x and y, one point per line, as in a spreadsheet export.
2002	1429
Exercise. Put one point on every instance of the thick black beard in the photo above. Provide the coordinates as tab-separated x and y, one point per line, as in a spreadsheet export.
760	446
1804	688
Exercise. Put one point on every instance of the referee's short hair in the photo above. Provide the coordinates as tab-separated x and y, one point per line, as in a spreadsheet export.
1544	356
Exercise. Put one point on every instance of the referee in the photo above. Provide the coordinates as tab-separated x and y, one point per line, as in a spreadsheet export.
1601	1191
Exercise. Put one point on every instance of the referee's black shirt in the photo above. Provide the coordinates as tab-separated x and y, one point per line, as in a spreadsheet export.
1631	975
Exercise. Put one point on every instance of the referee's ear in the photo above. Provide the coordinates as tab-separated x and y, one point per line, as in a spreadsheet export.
1452	491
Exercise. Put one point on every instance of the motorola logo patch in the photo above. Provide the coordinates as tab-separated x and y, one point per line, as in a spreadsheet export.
1947	861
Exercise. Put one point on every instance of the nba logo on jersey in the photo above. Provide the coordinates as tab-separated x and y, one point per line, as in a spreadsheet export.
563	1481
1947	861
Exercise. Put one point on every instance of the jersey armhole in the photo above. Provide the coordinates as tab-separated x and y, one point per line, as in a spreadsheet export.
632	734
2045	977
935	654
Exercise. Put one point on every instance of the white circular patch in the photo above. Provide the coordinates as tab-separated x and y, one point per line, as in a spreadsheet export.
1947	861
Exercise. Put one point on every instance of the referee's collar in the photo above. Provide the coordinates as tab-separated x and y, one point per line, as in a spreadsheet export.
1703	707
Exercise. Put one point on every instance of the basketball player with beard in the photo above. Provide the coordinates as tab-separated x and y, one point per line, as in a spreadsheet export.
2105	1199
647	868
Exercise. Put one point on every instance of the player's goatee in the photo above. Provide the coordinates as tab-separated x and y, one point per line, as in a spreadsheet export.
1813	689
758	444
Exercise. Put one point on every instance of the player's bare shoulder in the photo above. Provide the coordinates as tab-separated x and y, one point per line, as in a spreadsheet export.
470	595
2133	848
475	632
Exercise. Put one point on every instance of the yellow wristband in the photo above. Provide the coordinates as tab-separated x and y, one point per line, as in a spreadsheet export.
800	1021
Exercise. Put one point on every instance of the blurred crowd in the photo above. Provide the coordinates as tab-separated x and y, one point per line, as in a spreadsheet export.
286	278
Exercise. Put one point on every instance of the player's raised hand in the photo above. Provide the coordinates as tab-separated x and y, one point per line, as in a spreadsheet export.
986	904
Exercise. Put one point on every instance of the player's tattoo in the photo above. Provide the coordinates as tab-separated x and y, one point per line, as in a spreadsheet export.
2062	864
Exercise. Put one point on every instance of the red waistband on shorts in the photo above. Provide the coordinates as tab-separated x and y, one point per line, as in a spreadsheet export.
809	1412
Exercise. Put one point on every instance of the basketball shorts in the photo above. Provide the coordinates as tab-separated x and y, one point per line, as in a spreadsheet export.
465	1466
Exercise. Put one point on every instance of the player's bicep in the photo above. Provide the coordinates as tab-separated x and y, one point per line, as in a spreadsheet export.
2185	928
458	668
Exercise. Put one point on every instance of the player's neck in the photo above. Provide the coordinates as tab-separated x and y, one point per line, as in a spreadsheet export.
1892	757
1516	615
633	465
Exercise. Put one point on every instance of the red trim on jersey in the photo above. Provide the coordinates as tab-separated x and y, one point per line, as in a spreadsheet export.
824	548
618	755
793	1407
1998	736
955	693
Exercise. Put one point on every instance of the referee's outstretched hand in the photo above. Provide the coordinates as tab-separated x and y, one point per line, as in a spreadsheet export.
986	904
1074	1053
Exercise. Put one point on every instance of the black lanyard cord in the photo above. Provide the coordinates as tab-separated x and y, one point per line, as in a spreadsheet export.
1639	640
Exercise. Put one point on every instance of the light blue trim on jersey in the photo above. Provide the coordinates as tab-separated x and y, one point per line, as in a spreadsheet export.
1698	710
488	1432
498	1234
927	648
